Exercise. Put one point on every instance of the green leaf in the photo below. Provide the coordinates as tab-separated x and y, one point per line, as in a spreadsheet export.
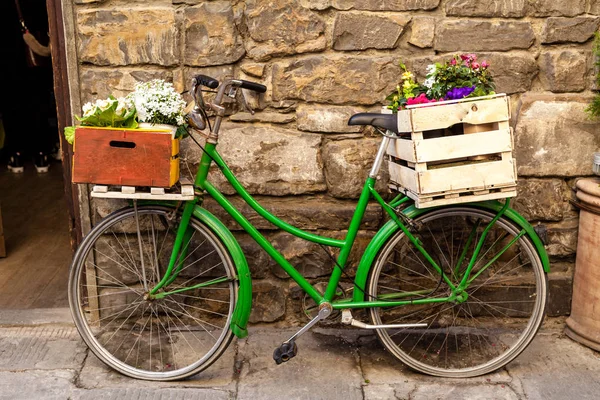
182	132
70	134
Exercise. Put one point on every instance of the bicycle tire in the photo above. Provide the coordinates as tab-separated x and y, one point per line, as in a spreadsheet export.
161	339
501	315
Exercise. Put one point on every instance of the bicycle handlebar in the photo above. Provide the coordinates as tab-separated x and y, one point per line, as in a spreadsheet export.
207	81
197	117
257	87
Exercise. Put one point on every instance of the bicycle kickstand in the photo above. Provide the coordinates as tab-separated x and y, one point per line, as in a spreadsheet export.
288	349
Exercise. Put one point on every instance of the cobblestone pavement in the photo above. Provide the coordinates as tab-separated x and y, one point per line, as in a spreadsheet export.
43	357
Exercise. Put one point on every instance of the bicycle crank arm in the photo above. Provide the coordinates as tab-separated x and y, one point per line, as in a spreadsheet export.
288	349
324	312
349	320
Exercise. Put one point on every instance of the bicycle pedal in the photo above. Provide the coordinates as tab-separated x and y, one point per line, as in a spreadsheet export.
285	352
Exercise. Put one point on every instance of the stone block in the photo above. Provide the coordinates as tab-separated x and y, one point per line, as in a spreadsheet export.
339	80
513	72
477	35
384	5
278	27
211	35
423	32
268	117
554	136
253	69
258	259
550	356
347	165
552	8
328	119
268	302
305	212
579	29
564	70
486	8
41	347
303	377
266	160
540	199
128	36
560	292
358	31
38	384
310	259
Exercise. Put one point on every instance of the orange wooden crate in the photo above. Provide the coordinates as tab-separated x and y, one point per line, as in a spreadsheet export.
126	157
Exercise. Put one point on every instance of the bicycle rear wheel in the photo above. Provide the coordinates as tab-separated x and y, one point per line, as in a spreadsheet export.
505	301
166	338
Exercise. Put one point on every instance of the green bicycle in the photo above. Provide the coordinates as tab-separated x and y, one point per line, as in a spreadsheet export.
158	289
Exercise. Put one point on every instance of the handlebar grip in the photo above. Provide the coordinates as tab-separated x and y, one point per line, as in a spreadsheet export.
207	81
257	87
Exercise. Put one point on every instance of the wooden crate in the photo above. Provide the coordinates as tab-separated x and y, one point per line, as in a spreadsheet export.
458	151
127	157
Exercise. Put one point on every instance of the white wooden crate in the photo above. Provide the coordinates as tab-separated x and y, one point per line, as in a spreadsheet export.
458	151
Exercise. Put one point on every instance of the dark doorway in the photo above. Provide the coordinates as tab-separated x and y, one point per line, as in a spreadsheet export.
33	210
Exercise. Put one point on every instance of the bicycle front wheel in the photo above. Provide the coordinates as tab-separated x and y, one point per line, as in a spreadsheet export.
178	333
486	329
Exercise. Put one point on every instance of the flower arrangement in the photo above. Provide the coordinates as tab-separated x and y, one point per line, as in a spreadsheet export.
110	112
157	102
154	102
460	77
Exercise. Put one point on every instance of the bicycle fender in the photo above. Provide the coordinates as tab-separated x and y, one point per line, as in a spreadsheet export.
388	229
243	306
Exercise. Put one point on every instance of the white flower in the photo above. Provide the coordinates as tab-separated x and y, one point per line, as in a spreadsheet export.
104	104
431	68
122	106
429	82
158	102
88	109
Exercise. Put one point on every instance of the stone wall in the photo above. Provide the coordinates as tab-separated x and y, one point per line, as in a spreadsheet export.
322	61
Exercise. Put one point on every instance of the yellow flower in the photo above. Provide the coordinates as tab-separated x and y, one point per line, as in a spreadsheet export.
406	84
407	75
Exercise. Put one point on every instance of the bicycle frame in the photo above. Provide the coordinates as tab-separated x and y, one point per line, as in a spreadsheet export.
345	245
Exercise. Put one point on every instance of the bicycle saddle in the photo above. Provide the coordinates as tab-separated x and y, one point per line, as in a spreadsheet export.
384	121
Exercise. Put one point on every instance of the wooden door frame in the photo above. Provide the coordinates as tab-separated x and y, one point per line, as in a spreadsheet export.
64	114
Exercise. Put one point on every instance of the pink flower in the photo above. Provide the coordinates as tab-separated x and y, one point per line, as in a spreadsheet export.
468	58
420	99
475	65
484	64
453	61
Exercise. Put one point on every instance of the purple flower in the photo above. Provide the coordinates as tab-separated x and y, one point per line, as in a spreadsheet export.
459	93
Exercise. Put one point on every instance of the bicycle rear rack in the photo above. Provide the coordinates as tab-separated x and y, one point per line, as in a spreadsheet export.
180	192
